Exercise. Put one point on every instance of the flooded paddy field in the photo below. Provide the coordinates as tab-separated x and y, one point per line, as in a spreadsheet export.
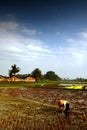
30	108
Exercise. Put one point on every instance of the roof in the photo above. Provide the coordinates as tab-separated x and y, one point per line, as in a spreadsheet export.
2	78
30	79
13	78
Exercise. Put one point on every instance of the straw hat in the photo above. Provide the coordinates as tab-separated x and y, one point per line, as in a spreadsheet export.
60	102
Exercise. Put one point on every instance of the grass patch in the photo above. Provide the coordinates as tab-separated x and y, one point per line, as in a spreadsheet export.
28	84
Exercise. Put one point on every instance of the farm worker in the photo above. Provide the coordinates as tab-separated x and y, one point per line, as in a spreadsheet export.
63	106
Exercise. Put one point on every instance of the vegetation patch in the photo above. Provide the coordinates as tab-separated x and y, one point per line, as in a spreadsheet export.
74	87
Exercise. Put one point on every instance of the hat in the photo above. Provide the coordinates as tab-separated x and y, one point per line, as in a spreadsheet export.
60	102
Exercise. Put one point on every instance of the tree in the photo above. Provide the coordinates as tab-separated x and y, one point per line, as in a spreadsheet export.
36	73
51	76
23	76
14	70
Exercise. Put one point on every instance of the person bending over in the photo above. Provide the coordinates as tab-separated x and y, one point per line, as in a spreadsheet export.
63	106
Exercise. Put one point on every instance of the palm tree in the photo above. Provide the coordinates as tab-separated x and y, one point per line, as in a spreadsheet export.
14	70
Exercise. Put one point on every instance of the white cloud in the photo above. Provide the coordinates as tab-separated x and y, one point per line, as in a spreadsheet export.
72	57
39	48
71	40
8	25
29	31
79	58
29	53
83	34
16	46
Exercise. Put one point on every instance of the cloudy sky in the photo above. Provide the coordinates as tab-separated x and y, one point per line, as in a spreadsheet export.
44	34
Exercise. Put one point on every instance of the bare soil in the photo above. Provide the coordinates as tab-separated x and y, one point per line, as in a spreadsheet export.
36	109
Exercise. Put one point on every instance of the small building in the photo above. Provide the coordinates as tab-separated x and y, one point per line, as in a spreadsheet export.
29	79
13	78
2	78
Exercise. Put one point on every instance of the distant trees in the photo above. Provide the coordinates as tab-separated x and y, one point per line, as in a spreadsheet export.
80	79
14	69
36	73
50	75
23	76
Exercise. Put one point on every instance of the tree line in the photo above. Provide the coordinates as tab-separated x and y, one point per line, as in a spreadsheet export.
36	73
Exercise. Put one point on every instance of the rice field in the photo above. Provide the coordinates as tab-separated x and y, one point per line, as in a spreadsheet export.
28	108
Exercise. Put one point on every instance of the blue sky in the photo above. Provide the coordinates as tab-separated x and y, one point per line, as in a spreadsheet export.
44	34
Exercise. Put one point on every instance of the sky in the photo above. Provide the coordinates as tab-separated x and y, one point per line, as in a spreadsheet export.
47	34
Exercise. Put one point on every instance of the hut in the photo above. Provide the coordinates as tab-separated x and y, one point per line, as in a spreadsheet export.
13	78
29	79
2	78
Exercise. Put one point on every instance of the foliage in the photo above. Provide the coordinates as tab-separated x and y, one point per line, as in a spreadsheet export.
22	76
51	76
36	73
81	79
14	70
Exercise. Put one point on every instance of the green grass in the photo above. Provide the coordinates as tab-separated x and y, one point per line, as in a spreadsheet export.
42	83
27	84
17	84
